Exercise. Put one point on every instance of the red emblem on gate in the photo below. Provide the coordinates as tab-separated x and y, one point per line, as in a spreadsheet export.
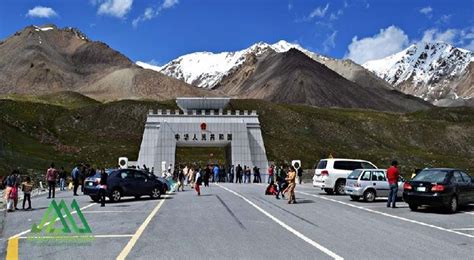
203	126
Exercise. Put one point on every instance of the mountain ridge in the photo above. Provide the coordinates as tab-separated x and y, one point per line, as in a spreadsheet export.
432	71
45	59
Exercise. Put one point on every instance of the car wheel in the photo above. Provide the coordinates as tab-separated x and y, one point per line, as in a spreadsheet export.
453	205
95	198
116	195
340	187
369	196
329	191
413	207
155	193
355	198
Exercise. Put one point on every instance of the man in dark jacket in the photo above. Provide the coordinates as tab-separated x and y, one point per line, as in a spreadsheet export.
103	187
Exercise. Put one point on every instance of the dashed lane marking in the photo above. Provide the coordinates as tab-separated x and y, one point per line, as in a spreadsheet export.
389	215
126	250
285	226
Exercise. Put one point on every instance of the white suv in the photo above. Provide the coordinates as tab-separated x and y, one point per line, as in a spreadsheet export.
330	174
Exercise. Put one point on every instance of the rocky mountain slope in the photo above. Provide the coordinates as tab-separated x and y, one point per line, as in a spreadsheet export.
47	59
436	72
35	133
207	69
293	77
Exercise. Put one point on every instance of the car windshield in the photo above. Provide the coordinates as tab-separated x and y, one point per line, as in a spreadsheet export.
433	176
354	175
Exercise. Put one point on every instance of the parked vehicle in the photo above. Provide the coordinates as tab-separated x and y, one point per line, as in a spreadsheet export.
124	183
370	184
439	187
330	174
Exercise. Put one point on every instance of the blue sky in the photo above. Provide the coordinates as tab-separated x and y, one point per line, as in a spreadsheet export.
160	30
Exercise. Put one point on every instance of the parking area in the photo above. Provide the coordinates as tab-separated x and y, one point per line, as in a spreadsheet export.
238	221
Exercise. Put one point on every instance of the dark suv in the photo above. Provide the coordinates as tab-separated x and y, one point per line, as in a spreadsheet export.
123	183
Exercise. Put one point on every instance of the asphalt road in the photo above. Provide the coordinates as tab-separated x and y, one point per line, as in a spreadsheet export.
237	221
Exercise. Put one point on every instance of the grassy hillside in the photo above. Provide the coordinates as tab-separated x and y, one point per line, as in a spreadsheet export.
76	129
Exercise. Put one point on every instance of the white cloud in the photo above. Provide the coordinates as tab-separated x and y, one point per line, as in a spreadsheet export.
290	6
319	12
169	3
150	13
41	12
388	41
426	10
330	42
463	38
116	8
444	19
434	35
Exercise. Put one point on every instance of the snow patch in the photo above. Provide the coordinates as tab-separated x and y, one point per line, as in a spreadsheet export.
206	69
43	29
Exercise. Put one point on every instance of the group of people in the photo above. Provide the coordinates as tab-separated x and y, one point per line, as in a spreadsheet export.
12	185
54	177
285	182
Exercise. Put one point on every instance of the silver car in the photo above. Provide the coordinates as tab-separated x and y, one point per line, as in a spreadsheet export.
370	184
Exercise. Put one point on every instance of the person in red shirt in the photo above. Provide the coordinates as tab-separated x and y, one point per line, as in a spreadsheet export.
392	175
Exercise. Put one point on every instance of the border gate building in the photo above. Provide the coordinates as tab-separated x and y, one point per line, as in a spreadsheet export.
202	122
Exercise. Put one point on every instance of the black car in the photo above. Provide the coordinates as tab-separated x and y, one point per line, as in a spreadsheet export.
439	187
125	182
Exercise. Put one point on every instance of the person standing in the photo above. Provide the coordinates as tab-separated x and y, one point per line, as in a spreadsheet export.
271	171
238	171
103	186
191	177
13	198
280	176
181	180
198	183
207	175
27	187
62	179
75	175
300	175
231	173
246	175
186	175
82	177
392	175
51	177
215	170
291	179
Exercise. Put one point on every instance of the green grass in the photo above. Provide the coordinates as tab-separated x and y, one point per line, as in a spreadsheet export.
75	129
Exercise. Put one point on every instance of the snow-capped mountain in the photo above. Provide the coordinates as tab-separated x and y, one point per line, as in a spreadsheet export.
432	71
206	69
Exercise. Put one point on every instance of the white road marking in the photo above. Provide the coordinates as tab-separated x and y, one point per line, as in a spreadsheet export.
466	212
47	223
126	250
287	227
113	211
389	215
461	229
96	236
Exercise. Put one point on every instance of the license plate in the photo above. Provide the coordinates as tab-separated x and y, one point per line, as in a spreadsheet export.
421	189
